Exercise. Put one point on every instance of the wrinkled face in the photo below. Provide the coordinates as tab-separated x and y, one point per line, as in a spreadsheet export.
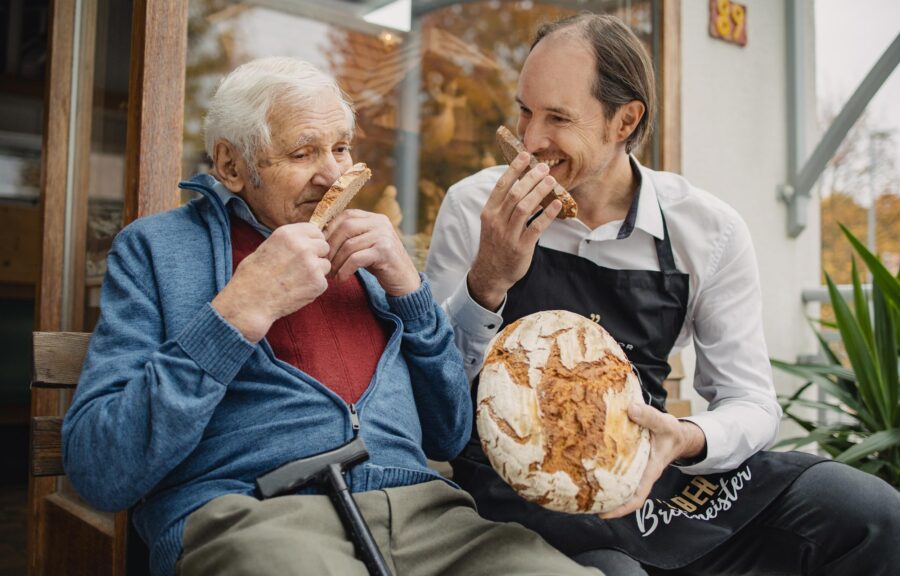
560	121
310	149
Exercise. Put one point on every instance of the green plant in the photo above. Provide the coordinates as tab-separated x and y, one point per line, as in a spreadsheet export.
864	395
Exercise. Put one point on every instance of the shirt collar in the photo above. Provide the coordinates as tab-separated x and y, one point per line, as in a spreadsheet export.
239	207
644	212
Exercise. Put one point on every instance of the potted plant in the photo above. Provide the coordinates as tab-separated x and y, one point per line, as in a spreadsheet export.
865	395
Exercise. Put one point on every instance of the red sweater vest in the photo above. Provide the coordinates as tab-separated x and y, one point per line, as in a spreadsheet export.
336	339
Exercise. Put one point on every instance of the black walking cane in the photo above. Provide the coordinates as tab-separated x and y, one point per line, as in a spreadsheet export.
328	469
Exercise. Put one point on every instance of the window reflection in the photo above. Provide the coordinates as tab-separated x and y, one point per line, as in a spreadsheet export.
23	52
428	101
108	108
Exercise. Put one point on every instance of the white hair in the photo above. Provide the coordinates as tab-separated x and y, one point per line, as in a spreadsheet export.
239	109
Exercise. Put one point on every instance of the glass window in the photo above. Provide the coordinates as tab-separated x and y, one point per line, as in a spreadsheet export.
428	100
97	162
860	188
107	107
23	52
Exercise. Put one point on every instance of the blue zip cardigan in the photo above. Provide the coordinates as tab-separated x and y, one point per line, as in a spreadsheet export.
175	408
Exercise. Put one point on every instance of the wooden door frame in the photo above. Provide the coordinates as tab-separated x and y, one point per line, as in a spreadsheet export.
155	107
153	167
54	164
669	122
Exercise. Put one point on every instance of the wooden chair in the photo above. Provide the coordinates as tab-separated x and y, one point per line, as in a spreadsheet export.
70	538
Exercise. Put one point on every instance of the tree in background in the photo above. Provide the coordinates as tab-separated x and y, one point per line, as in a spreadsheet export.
863	163
839	207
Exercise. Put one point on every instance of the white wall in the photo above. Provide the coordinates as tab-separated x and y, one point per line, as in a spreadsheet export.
734	144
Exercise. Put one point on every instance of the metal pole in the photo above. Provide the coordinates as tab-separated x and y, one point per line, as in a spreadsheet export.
796	191
68	232
406	151
876	138
873	198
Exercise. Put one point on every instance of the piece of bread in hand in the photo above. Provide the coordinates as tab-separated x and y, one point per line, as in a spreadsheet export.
339	195
552	413
510	147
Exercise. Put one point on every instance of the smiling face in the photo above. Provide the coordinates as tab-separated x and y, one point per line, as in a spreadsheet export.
560	121
310	149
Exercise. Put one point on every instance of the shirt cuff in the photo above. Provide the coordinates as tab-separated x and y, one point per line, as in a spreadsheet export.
473	326
715	448
478	322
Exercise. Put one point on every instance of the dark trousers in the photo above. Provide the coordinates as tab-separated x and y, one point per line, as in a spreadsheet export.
832	521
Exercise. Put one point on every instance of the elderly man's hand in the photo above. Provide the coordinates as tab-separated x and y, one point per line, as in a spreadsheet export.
286	272
361	239
670	439
507	239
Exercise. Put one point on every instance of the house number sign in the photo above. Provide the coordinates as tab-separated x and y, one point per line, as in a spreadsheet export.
728	21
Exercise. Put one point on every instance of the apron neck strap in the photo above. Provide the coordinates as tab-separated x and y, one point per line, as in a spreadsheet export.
664	249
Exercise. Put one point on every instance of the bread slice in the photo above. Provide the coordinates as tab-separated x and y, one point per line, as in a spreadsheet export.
552	413
340	194
511	146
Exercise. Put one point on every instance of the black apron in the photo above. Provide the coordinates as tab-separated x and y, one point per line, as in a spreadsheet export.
685	516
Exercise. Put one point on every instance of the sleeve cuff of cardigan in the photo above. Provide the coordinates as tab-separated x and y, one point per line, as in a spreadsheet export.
415	305
215	345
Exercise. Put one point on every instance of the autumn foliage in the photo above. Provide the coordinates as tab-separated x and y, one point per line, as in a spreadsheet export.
842	208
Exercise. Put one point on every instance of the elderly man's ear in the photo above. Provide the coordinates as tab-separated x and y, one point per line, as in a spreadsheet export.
229	165
626	120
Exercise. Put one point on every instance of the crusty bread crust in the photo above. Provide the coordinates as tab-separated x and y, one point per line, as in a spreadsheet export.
552	413
510	147
340	194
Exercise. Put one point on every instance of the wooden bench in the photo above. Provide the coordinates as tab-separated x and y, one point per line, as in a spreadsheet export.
70	538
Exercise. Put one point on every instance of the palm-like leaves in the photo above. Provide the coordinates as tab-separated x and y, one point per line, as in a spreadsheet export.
865	396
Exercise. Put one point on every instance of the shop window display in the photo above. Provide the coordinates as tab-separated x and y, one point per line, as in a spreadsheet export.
428	101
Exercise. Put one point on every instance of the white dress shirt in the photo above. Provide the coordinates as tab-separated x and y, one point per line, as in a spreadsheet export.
711	244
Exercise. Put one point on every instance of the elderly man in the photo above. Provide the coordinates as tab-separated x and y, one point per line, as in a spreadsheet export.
236	337
659	262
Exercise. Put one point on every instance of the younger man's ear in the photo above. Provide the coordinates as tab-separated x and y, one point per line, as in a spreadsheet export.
228	163
627	118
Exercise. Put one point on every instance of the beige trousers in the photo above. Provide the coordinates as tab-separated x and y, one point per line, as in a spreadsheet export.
421	530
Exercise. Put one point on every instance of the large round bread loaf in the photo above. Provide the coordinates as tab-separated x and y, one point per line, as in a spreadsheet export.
552	414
